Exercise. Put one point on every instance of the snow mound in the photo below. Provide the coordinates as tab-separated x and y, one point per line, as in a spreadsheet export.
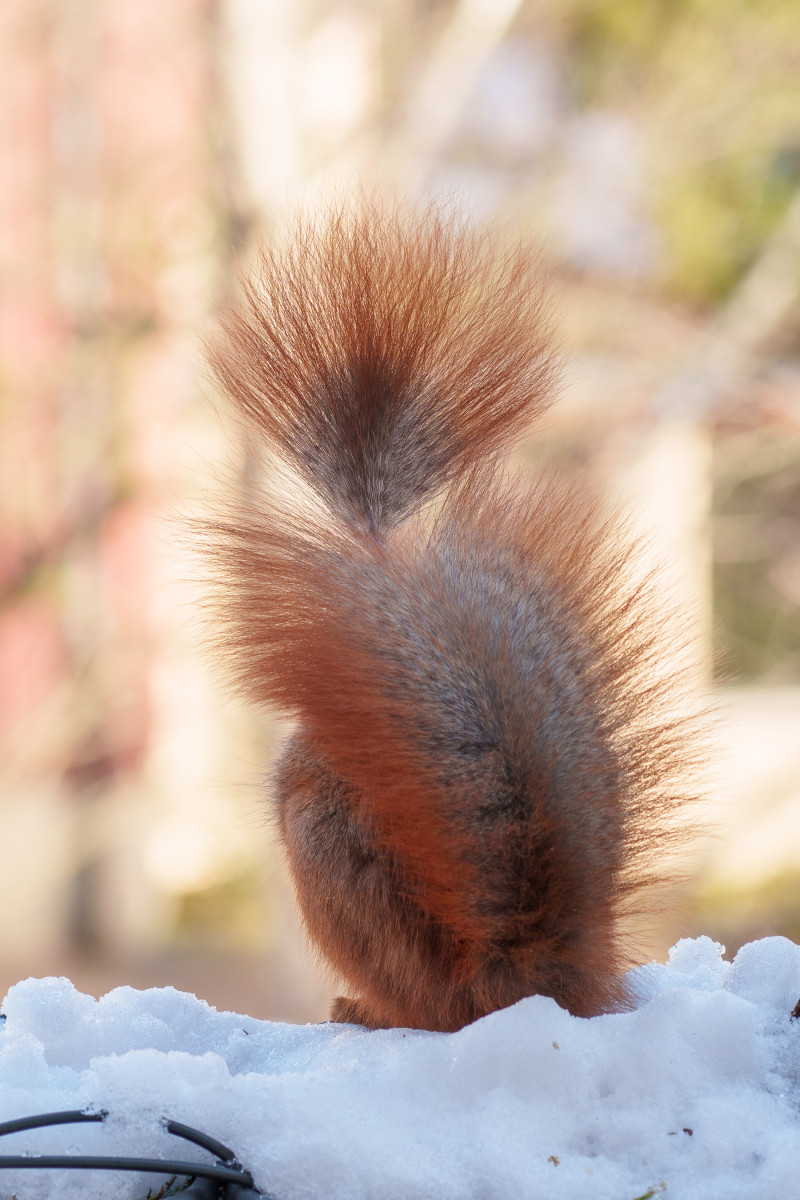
695	1095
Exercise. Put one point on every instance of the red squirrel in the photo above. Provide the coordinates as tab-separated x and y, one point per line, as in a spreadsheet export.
483	768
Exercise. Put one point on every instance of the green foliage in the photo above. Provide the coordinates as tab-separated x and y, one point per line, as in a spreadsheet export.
756	558
615	44
230	914
718	216
714	89
734	915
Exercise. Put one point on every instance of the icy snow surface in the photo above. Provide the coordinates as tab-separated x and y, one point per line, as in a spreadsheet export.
693	1095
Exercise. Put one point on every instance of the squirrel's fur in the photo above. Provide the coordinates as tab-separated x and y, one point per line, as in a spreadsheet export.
483	764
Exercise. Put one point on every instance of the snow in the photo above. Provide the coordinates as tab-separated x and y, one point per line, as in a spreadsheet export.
694	1095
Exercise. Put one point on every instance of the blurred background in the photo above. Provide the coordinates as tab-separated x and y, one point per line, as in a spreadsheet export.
654	146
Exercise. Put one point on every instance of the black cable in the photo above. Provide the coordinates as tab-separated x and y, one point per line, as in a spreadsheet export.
160	1166
201	1139
69	1117
226	1171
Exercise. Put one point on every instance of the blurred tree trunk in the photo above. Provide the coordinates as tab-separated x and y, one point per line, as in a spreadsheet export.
107	220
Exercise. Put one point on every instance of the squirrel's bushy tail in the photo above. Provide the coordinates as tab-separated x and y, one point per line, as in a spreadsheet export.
383	355
486	760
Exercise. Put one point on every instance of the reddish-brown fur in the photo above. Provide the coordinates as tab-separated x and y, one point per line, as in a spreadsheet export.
483	763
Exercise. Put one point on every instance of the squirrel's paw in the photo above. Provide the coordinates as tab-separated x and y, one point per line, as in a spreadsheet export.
348	1011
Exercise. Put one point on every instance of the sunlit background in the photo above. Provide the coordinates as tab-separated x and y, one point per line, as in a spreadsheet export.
654	146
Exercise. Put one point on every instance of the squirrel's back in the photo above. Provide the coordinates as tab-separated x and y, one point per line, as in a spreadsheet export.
485	761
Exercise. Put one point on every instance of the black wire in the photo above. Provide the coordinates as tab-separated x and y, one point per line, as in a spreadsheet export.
70	1117
211	1144
160	1166
227	1170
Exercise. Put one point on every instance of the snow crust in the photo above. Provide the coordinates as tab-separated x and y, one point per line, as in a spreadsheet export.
695	1095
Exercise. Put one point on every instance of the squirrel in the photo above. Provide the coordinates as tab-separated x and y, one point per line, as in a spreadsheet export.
484	766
